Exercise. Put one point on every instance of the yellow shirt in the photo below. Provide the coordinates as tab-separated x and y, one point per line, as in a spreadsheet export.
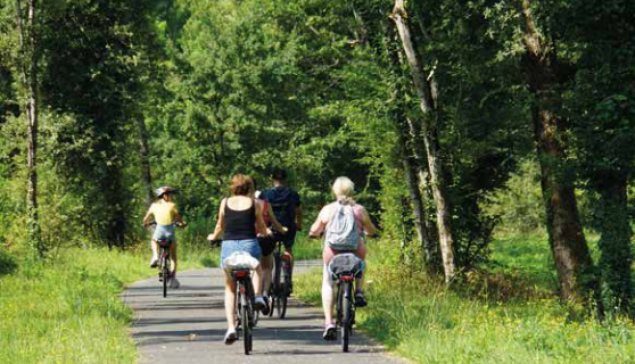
164	212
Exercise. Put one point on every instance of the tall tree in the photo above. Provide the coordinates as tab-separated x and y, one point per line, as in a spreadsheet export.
30	54
601	105
568	243
424	90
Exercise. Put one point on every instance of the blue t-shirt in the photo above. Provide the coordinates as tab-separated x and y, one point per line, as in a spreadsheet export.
283	201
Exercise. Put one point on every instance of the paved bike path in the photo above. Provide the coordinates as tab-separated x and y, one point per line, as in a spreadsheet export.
188	327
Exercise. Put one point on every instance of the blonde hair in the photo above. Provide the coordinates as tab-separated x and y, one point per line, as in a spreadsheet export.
343	188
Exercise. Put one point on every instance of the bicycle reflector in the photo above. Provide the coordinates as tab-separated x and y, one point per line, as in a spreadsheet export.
240	274
347	278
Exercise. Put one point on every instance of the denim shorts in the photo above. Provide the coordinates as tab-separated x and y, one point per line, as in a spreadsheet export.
164	232
250	246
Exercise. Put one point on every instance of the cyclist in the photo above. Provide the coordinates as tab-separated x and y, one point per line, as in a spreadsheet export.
287	208
343	189
239	218
165	214
267	243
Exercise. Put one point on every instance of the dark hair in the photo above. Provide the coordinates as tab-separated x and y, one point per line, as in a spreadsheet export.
279	175
241	185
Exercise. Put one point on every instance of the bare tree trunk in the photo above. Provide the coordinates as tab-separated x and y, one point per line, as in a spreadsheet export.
29	70
431	142
144	156
431	247
412	170
568	244
415	198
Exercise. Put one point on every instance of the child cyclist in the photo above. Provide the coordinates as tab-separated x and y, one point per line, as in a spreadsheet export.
165	214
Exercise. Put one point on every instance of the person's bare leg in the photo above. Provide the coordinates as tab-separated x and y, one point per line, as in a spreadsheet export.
256	280
173	257
230	301
267	269
327	296
155	249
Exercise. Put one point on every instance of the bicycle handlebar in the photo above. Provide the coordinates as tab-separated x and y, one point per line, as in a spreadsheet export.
176	223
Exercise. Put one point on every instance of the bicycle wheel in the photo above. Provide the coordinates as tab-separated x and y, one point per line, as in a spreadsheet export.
347	315
271	300
283	295
166	275
254	314
338	312
244	313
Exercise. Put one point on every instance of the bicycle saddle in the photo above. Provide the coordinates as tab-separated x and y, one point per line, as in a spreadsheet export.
347	263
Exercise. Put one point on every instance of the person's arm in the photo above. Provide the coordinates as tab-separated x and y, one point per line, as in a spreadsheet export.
260	221
274	221
320	223
178	217
220	223
369	228
146	219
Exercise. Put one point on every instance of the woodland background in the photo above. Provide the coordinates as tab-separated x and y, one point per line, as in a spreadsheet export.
471	128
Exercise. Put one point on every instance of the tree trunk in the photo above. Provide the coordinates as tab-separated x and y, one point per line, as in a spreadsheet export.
431	247
568	244
413	171
612	221
144	156
29	70
431	142
418	211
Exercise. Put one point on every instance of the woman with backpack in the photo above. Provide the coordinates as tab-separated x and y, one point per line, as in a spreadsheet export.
340	241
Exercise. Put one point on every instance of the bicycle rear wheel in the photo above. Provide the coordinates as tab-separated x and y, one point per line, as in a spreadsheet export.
347	315
271	300
283	295
166	275
244	313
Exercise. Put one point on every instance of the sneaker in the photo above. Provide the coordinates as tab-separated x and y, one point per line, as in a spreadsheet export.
154	262
330	333
174	283
360	300
260	304
266	309
231	336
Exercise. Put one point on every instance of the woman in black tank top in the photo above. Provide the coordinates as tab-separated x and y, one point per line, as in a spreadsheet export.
239	217
240	224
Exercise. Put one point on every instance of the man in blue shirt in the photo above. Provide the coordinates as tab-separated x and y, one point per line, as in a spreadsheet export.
286	205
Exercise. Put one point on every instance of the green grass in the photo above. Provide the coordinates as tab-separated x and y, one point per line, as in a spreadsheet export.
509	315
67	310
305	248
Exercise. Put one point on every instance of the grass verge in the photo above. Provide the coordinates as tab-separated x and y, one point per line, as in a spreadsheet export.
67	310
509	315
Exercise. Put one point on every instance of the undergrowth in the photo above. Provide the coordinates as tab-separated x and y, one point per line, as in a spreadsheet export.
505	313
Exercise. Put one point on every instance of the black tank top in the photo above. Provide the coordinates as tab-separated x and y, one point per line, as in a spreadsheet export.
240	225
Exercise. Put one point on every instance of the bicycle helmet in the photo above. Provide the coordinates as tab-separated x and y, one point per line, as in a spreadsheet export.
163	190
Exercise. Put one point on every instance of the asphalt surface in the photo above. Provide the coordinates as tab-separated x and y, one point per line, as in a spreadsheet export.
189	325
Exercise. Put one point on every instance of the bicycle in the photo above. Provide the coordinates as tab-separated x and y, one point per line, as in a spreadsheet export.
247	316
164	260
282	279
345	268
